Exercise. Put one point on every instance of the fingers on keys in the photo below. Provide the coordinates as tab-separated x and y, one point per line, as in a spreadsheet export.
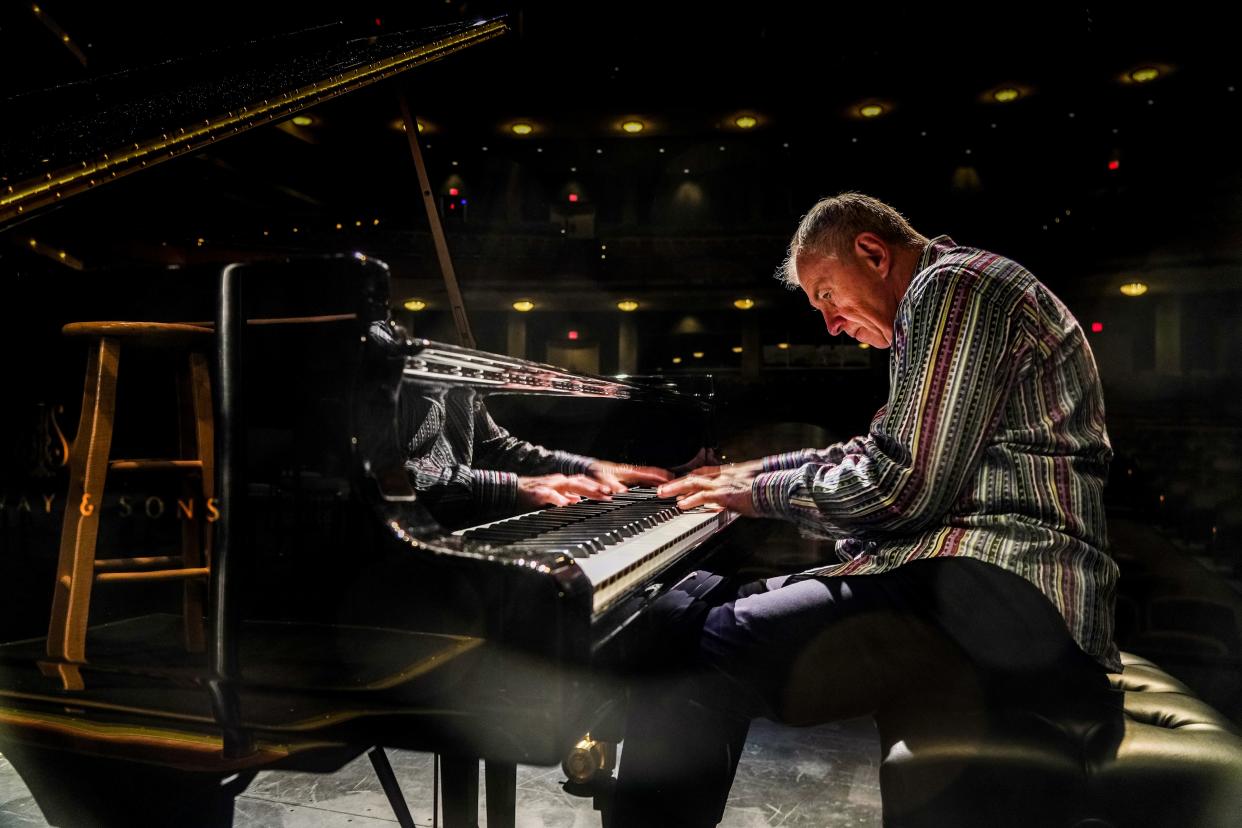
610	480
547	496
689	484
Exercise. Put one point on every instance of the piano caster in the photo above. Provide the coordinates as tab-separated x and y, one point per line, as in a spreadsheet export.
588	760
599	788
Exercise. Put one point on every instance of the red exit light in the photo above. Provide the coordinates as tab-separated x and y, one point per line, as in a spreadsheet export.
452	191
573	197
1097	327
1114	165
573	334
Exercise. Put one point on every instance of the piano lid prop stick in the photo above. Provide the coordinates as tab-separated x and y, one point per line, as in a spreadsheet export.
464	337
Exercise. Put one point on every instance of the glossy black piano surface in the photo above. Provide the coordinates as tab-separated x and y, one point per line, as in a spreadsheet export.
359	619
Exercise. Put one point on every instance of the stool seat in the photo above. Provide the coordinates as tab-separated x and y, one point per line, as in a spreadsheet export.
167	332
1153	755
90	463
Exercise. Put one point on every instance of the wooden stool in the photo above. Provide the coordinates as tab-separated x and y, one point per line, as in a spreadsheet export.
89	464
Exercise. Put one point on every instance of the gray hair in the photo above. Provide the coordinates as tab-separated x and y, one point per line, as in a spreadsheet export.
830	227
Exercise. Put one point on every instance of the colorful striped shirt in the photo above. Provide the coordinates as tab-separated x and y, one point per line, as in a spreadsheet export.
991	445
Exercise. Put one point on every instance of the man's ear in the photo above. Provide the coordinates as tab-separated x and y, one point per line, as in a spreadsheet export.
873	251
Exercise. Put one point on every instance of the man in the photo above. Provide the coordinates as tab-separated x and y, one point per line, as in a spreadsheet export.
969	522
468	469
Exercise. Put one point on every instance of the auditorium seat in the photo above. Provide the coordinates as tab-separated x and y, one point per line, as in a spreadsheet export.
1147	753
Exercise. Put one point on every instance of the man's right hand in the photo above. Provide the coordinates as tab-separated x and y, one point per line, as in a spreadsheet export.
558	490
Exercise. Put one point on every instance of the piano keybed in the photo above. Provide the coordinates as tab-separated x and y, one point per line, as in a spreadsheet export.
620	544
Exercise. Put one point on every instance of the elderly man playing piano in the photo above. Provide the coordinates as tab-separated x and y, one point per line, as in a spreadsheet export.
968	520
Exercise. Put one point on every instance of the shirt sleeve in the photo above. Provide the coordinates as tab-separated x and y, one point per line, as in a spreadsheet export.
456	493
830	456
955	354
496	448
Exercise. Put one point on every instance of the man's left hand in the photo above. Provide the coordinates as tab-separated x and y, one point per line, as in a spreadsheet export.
620	476
725	487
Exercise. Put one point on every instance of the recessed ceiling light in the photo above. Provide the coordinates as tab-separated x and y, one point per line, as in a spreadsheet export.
697	355
737	349
1006	94
522	128
523	305
303	120
633	127
677	360
744	304
1145	74
414	304
399	125
871	110
746	121
784	346
627	305
1134	288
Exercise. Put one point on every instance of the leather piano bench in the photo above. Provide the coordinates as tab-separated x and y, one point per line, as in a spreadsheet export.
1151	754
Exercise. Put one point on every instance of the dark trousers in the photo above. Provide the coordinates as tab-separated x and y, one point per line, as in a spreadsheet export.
950	632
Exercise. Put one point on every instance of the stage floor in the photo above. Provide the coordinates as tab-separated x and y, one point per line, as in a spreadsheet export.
821	776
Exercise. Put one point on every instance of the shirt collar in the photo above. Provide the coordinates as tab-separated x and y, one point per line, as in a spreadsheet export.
935	248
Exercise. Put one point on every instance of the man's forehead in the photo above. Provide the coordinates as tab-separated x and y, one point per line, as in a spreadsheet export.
815	267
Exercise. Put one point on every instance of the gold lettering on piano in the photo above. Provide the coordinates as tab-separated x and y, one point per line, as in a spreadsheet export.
154	507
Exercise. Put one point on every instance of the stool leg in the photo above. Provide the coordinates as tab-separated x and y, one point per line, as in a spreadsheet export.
197	435
88	466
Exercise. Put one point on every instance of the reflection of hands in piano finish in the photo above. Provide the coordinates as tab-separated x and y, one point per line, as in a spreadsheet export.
559	490
602	479
717	487
620	476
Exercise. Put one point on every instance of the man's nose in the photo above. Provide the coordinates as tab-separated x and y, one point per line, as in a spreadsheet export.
833	323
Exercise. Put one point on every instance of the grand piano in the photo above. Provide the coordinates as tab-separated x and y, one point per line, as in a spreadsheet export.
342	614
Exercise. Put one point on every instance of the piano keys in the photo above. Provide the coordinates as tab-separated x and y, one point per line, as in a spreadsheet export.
620	545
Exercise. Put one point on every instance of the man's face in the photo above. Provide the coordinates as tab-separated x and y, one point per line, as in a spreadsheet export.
853	295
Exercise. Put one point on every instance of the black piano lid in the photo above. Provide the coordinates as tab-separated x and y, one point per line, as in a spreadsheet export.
78	136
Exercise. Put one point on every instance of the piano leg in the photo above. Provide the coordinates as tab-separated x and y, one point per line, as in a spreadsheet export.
459	781
501	794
